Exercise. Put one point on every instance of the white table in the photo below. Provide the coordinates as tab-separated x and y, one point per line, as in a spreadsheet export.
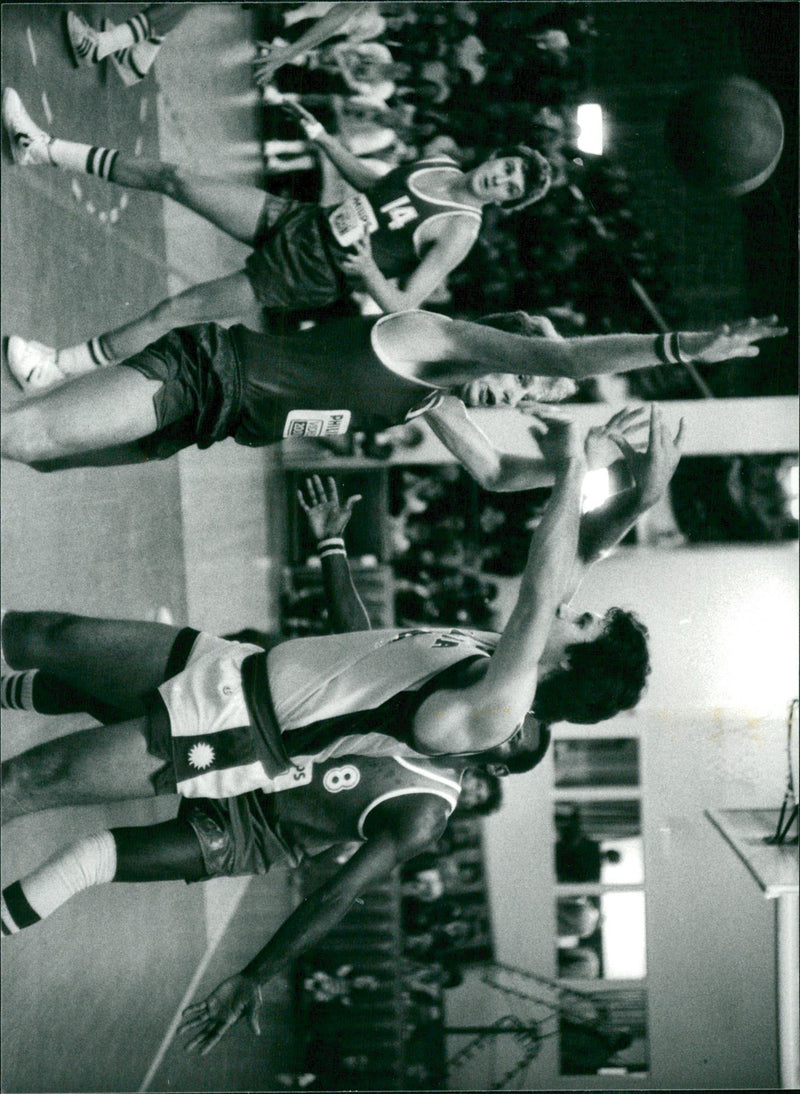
775	870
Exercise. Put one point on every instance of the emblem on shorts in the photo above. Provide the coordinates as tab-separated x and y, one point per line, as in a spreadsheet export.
201	756
341	778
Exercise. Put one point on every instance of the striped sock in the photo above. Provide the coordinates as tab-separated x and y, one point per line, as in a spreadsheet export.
82	157
126	34
90	861
142	56
16	690
85	357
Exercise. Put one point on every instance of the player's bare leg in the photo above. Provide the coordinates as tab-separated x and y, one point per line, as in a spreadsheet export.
110	407
116	661
103	764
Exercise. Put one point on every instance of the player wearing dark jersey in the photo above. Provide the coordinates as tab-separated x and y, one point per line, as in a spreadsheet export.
423	218
200	384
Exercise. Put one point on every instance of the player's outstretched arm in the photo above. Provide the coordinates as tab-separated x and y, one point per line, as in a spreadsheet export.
491	468
398	833
328	520
487	713
594	355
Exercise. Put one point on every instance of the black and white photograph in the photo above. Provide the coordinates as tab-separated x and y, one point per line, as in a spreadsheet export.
380	716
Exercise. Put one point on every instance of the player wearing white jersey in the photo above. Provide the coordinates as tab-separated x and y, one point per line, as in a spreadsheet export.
585	674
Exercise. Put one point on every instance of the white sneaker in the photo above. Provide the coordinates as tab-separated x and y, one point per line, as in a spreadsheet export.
123	60
29	143
82	40
33	365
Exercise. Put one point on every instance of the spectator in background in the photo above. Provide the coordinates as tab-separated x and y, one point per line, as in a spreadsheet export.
578	856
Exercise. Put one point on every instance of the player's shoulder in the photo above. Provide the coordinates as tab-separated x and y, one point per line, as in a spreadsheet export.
412	822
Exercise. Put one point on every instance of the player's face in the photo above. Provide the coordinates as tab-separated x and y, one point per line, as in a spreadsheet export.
474	790
498	389
570	628
526	739
499	180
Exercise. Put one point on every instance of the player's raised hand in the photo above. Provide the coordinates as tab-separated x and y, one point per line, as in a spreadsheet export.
326	516
730	340
653	467
600	446
559	437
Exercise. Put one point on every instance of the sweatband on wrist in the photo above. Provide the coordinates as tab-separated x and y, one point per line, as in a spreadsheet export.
683	358
333	545
667	349
660	349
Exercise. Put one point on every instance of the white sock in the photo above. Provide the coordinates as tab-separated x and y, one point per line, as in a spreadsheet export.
126	34
82	157
16	690
85	357
90	861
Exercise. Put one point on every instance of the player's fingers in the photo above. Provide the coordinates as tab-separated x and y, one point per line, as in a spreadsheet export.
332	491
352	501
537	426
679	435
623	444
628	416
216	1036
193	1026
319	492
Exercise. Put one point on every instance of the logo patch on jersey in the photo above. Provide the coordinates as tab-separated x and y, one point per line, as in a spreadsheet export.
201	756
346	777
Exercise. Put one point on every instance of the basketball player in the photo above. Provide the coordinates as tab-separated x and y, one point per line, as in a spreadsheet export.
416	223
314	803
224	718
201	384
393	806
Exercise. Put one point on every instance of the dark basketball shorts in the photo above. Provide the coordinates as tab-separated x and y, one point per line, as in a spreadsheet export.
234	835
293	264
198	402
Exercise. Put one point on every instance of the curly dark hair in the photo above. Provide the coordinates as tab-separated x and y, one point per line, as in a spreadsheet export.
603	678
536	169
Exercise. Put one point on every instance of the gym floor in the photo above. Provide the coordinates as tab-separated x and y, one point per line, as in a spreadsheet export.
90	998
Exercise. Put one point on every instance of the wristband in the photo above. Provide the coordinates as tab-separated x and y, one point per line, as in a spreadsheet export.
332	545
668	350
683	358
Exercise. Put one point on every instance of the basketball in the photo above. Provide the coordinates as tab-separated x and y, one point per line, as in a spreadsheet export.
725	136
